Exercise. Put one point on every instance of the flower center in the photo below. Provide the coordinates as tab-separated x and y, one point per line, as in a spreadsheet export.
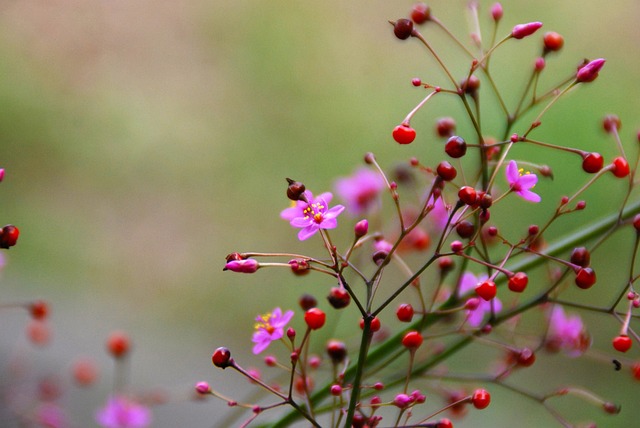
315	211
264	323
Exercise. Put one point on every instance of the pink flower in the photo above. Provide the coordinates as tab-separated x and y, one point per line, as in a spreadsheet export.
522	183
312	216
121	412
476	316
269	327
566	333
360	191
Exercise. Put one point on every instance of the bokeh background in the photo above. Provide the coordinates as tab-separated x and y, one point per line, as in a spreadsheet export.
144	140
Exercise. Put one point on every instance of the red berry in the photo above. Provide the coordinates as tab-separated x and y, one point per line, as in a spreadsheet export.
470	85
526	357
118	344
592	162
420	13
635	371
444	423
221	358
455	147
375	324
445	264
585	278
620	167
339	298
457	246
465	229
581	256
622	343
486	290
518	282
307	301
337	351
9	236
445	126
636	223
405	312
403	28
446	171
404	134
467	194
553	41
314	318
416	81
412	340
39	309
481	399
611	122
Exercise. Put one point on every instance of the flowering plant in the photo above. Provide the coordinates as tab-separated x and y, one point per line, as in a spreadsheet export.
464	275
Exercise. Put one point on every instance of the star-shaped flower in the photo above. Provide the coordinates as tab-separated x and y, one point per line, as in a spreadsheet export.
270	327
522	183
313	215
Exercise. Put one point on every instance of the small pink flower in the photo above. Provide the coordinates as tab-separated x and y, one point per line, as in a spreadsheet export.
476	316
522	183
312	216
121	412
270	327
567	333
361	191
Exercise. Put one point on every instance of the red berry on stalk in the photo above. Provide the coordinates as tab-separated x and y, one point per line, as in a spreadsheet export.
553	41
592	162
118	344
416	81
337	351
636	223
307	301
622	343
9	236
518	282
412	340
611	123
315	318
445	126
339	298
486	290
585	278
444	423
455	147
404	134
620	167
39	309
526	357
446	171
221	357
420	13
468	195
470	85
375	324
581	256
635	371
403	28
405	312
465	229
481	399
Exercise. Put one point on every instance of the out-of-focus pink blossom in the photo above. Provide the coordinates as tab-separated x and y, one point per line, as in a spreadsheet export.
476	316
361	191
566	333
121	412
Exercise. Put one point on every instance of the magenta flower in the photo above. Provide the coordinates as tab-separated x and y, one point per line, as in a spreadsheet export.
121	412
476	316
361	191
567	333
269	327
242	266
312	216
522	183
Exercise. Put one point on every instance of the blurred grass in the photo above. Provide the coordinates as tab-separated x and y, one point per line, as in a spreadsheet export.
143	141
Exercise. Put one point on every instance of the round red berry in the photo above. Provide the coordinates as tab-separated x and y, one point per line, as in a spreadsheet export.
375	324
446	171
405	312
468	195
39	309
592	162
314	318
307	301
526	357
636	223
481	399
486	290
518	282
444	423
337	351
455	147
635	371
553	41
420	13
611	122
585	278
416	81
118	344
445	126
581	256
620	167
339	298
465	229
403	28
622	343
412	340
9	236
221	357
404	134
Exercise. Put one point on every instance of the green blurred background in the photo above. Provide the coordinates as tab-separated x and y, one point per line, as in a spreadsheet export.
145	140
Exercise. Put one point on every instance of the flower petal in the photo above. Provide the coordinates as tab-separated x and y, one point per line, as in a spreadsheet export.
308	231
512	172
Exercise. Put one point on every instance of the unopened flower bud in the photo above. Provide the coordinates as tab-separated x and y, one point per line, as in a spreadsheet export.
539	64
203	388
299	266
9	236
496	12
295	191
337	351
420	13
521	31
242	266
402	400
611	123
589	71
361	228
403	28
339	298
222	358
